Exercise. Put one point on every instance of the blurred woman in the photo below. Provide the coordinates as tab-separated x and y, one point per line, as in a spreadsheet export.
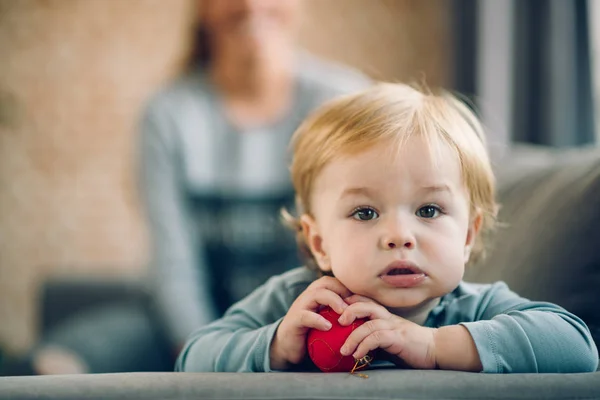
214	158
213	168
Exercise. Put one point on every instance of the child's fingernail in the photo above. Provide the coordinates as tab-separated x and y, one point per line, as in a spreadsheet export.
344	350
328	325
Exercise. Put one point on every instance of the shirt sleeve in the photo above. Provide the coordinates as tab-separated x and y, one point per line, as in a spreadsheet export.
241	340
513	334
179	282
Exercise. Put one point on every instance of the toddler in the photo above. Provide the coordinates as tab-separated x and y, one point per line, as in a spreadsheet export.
394	194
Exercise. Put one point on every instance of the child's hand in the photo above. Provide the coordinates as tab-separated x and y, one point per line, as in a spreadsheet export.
408	343
289	344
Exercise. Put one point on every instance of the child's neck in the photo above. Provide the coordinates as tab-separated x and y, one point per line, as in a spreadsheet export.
417	314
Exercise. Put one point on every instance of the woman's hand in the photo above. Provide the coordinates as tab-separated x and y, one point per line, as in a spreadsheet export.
289	345
408	343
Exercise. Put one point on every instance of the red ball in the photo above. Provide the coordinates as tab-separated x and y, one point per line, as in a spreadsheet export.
324	346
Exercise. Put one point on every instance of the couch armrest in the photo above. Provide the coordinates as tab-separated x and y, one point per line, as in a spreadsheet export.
381	384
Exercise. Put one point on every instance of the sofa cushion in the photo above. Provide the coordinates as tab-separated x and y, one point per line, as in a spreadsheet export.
381	384
549	246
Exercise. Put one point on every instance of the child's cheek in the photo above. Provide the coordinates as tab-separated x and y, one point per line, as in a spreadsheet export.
353	250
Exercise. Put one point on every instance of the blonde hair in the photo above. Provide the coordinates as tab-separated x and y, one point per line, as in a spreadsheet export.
393	113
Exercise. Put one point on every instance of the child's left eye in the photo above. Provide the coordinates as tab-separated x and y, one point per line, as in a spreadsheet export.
364	214
429	211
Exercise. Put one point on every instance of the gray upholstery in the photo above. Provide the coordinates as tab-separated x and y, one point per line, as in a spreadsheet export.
381	384
549	250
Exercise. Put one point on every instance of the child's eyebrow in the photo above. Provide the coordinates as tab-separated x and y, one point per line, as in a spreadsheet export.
357	191
437	188
367	192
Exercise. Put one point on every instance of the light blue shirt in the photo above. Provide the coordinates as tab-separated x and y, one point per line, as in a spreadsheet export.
511	333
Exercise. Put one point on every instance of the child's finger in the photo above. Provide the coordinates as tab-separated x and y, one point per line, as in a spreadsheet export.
363	310
323	297
356	298
381	339
330	283
309	319
360	333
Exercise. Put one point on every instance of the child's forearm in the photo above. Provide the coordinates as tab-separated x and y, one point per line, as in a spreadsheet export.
455	349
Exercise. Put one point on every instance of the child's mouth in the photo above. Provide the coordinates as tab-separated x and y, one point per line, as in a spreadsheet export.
403	274
400	271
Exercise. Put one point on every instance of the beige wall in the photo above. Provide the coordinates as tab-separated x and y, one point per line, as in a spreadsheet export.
73	74
388	39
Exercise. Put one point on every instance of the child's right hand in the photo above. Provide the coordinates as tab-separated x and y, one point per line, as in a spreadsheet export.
289	345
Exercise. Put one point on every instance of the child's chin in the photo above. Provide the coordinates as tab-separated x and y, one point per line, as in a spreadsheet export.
408	306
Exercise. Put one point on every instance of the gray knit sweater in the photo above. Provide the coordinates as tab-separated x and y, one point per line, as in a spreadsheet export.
213	193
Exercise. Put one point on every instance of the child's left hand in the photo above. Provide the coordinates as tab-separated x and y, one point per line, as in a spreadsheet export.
412	344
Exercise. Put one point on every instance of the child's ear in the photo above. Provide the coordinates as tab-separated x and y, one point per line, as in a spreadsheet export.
474	228
314	240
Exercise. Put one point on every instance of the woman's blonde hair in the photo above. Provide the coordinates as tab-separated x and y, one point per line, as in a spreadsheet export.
393	113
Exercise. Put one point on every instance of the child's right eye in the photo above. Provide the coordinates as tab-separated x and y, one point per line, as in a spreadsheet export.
364	214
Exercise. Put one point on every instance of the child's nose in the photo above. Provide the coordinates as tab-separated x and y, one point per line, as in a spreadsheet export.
398	236
392	244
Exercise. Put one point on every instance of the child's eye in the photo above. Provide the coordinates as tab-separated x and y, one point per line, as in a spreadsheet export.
364	214
429	211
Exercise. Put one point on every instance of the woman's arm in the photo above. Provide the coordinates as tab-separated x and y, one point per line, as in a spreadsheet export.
179	282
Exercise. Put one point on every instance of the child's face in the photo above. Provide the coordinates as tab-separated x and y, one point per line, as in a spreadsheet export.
393	228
